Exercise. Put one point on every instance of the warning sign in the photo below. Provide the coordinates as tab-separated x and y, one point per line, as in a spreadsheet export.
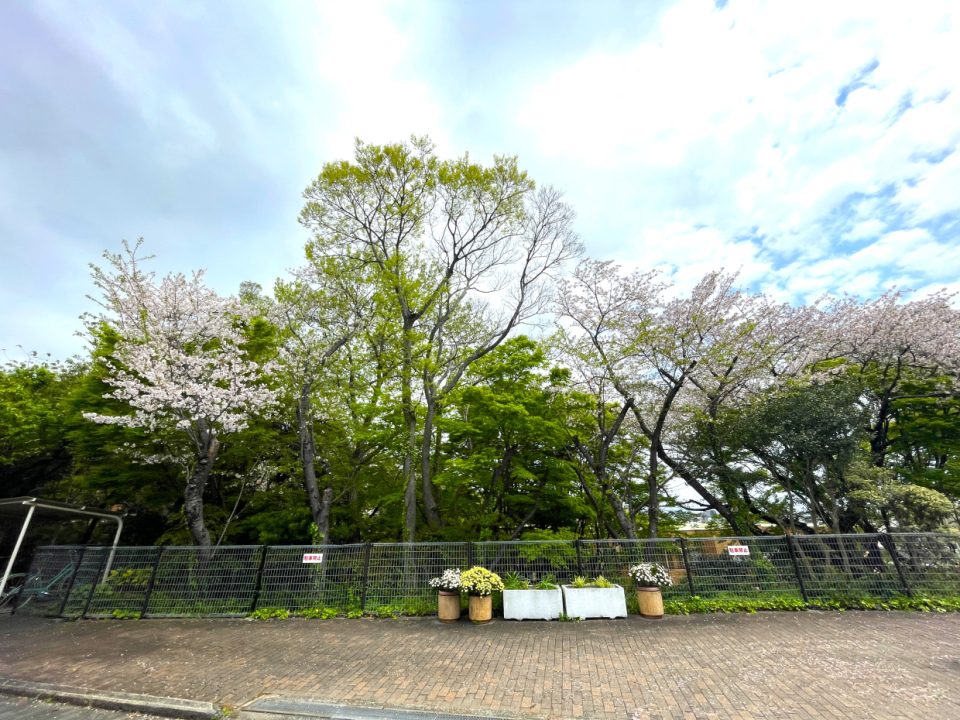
313	557
738	549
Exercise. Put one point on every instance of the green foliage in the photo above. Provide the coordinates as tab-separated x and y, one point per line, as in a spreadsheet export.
696	604
547	582
321	613
567	618
388	611
132	579
601	582
354	614
579	582
270	614
126	615
514	581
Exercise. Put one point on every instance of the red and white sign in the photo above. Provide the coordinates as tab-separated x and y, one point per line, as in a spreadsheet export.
738	549
313	557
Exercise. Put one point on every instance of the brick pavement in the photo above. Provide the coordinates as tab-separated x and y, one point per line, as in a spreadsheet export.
767	666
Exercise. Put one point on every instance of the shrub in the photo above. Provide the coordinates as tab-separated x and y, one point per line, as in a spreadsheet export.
270	614
514	581
321	613
547	582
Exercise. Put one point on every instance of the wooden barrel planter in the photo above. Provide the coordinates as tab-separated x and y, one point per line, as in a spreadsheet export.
448	606
650	600
481	608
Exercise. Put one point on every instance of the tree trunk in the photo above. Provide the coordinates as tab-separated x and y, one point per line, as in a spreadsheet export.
197	484
410	425
308	453
653	488
323	522
430	508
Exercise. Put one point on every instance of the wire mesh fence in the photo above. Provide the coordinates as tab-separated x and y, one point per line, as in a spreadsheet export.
743	567
205	581
94	581
847	567
930	563
398	574
46	588
614	558
330	577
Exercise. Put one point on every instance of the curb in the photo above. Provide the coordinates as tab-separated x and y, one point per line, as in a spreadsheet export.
129	702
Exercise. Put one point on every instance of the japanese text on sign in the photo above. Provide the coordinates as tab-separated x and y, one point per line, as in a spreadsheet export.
738	549
312	557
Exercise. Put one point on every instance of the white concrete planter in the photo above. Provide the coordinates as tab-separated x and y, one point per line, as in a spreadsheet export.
594	602
532	604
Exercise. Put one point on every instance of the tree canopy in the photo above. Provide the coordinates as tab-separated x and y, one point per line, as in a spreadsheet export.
445	365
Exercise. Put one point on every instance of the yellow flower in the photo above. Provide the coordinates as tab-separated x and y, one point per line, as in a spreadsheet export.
480	582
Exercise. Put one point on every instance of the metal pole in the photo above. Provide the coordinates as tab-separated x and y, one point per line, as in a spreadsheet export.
686	564
796	566
366	570
113	549
16	549
93	588
469	555
578	542
892	549
256	589
73	577
150	583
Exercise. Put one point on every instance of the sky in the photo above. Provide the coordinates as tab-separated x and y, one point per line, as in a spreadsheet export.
813	147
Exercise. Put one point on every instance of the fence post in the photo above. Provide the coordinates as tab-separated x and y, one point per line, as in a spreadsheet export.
366	570
887	539
796	566
259	582
150	582
578	543
686	564
469	555
94	584
73	578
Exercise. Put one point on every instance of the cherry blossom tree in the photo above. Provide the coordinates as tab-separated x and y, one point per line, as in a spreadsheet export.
900	350
179	363
674	358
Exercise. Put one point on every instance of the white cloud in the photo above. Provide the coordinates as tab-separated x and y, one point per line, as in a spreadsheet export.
779	113
363	54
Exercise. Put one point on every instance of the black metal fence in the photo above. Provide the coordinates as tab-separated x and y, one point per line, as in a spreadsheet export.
75	581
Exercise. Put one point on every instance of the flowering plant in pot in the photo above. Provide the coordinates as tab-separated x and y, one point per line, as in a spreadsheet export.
448	600
649	579
480	584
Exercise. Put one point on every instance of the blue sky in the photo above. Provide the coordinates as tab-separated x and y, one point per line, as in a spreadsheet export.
812	146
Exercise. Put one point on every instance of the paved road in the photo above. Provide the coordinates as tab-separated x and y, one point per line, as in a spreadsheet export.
22	709
768	666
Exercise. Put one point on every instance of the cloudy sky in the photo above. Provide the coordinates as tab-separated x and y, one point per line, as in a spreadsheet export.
812	146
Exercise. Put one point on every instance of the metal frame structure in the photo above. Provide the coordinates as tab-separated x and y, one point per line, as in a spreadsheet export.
53	509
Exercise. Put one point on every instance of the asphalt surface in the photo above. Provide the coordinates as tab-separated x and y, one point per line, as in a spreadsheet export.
12	708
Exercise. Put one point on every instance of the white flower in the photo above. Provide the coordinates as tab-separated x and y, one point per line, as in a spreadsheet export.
450	580
650	575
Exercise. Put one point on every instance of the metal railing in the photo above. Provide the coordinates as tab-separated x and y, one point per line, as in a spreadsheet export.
73	581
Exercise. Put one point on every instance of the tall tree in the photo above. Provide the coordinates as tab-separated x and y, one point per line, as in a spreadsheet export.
319	311
180	367
439	234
